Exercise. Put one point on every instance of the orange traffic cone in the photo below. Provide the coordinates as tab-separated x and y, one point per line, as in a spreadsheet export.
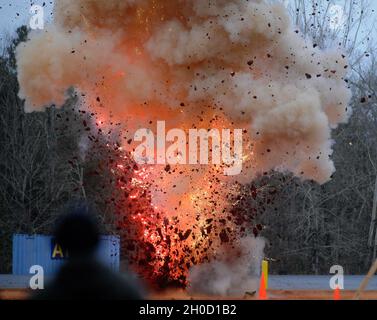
262	288
337	293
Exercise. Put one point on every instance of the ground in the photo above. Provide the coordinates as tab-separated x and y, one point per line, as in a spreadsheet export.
290	287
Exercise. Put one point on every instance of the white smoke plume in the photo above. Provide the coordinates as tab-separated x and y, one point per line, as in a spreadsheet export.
233	273
184	59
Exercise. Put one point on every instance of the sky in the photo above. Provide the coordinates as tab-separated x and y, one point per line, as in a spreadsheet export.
14	13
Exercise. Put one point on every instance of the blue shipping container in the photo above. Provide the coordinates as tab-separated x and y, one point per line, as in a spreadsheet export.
30	250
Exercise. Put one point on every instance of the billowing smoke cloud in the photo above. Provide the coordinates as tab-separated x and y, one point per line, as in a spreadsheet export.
181	60
243	58
195	64
233	273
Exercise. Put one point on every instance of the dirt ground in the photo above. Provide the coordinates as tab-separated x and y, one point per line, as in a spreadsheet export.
14	294
19	294
274	295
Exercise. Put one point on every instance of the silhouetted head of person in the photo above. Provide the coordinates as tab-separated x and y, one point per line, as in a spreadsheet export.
77	232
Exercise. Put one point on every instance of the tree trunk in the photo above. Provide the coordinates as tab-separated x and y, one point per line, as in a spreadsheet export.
372	229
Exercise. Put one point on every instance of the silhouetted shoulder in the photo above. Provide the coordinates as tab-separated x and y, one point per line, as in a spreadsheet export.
90	280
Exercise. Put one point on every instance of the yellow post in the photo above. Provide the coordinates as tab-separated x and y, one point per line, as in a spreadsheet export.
265	272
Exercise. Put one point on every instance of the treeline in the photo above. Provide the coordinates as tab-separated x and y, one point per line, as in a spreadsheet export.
311	227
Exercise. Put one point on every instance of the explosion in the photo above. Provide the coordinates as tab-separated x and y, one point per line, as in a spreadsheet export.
212	64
